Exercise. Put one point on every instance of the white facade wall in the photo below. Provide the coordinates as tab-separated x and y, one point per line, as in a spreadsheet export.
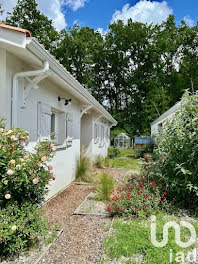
158	123
64	162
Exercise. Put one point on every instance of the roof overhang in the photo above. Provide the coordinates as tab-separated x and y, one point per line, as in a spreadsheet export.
26	47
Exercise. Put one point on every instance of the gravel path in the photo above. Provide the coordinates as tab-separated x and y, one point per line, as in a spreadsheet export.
83	236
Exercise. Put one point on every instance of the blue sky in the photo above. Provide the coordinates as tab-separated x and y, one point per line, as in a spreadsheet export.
98	14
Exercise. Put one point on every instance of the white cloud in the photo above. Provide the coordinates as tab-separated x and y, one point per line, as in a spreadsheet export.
74	4
102	31
144	11
50	8
189	21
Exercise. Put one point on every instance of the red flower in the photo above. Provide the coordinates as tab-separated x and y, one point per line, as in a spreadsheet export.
146	196
153	184
165	193
139	193
142	178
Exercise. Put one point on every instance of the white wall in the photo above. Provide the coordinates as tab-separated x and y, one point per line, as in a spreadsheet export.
155	126
64	162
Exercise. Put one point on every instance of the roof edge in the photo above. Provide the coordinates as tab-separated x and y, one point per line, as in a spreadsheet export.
25	31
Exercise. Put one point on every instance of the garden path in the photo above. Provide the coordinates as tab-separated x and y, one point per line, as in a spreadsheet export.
83	236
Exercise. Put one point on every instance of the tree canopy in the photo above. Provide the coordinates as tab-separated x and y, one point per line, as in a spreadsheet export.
137	71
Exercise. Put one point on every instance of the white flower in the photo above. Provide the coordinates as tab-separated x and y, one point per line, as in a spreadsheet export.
10	172
13	227
7	196
9	132
13	138
18	167
1	130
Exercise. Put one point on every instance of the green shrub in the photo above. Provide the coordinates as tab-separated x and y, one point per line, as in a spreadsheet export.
23	184
177	153
21	227
83	168
107	162
105	185
99	162
136	198
24	175
141	151
114	151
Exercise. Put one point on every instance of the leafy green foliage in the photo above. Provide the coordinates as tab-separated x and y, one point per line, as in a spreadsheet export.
139	70
136	198
105	185
23	184
177	153
131	239
21	227
147	148
114	151
99	162
27	15
83	168
24	175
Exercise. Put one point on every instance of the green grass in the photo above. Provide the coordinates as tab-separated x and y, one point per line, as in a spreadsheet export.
132	237
125	160
126	152
125	163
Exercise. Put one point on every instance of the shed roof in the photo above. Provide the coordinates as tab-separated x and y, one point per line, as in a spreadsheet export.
166	114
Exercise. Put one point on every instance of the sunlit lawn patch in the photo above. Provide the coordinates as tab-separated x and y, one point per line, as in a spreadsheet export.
130	238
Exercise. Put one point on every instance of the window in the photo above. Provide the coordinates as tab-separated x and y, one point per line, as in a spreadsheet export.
53	123
52	120
96	133
160	126
102	135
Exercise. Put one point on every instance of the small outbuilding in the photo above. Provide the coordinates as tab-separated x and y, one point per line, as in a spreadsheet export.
122	141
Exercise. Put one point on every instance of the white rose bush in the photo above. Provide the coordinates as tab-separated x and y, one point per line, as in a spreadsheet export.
24	179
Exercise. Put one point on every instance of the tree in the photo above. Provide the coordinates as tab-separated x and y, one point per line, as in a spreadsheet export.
1	10
27	15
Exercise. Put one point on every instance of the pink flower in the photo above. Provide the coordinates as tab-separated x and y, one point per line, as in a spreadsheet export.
35	181
10	172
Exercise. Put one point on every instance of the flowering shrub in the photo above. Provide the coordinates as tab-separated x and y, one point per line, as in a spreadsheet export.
136	198
23	184
23	175
177	153
20	228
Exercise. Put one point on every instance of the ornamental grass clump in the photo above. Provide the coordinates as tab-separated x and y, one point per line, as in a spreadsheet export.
24	178
105	185
137	198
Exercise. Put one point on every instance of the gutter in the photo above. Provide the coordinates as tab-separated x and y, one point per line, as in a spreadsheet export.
15	89
34	47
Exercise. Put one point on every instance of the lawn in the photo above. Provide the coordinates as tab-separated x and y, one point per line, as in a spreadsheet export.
126	160
130	242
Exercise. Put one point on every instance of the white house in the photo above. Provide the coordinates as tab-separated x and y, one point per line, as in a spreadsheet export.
158	123
39	95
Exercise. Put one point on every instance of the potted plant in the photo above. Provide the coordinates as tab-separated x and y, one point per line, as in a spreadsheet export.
111	153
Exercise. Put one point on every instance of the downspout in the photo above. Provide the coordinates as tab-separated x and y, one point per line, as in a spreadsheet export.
15	89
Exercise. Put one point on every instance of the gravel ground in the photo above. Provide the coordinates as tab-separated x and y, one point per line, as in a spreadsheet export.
83	236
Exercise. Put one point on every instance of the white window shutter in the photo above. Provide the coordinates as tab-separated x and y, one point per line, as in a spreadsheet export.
44	120
69	125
